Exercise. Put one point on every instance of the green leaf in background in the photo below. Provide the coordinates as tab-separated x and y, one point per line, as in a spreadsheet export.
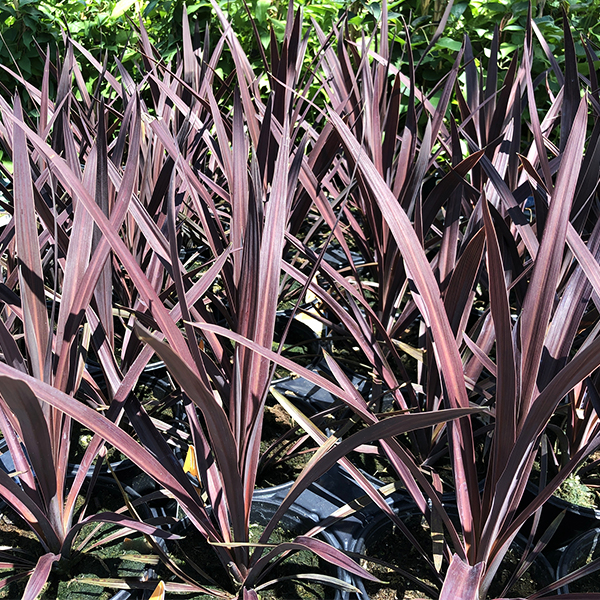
121	7
261	10
449	43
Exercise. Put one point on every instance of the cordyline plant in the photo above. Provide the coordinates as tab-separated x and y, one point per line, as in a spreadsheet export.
256	171
439	255
102	240
54	265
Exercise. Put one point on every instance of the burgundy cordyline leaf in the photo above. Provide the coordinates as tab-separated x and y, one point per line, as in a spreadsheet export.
31	278
416	261
389	427
29	510
566	319
372	118
535	123
103	291
238	184
483	358
77	258
286	363
33	91
271	249
460	292
39	576
506	378
34	430
439	30
222	441
491	83
462	580
451	181
244	73
10	350
440	111
412	191
11	431
402	463
190	64
511	206
542	286
117	519
177	274
534	554
350	397
449	241
250	594
590	54
507	492
115	436
572	95
82	284
322	549
139	279
584	257
445	347
111	79
45	99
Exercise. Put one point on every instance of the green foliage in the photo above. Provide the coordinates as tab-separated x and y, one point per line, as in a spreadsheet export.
477	19
101	24
22	22
105	26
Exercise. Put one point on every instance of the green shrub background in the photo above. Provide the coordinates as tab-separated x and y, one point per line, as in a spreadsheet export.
105	26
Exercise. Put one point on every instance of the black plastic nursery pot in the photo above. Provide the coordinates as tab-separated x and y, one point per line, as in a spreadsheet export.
581	552
540	573
334	489
577	520
135	482
380	540
372	534
313	399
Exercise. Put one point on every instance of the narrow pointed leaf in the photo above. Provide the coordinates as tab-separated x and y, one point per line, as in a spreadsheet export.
462	581
39	576
31	278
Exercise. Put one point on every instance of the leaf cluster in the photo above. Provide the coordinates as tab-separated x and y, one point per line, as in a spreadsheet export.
164	218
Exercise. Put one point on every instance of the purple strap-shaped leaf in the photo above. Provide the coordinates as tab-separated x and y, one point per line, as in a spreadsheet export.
462	580
244	73
417	263
78	255
39	576
113	435
116	519
272	240
322	549
26	408
103	292
31	278
29	510
430	303
223	443
506	379
542	287
111	236
387	428
506	493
